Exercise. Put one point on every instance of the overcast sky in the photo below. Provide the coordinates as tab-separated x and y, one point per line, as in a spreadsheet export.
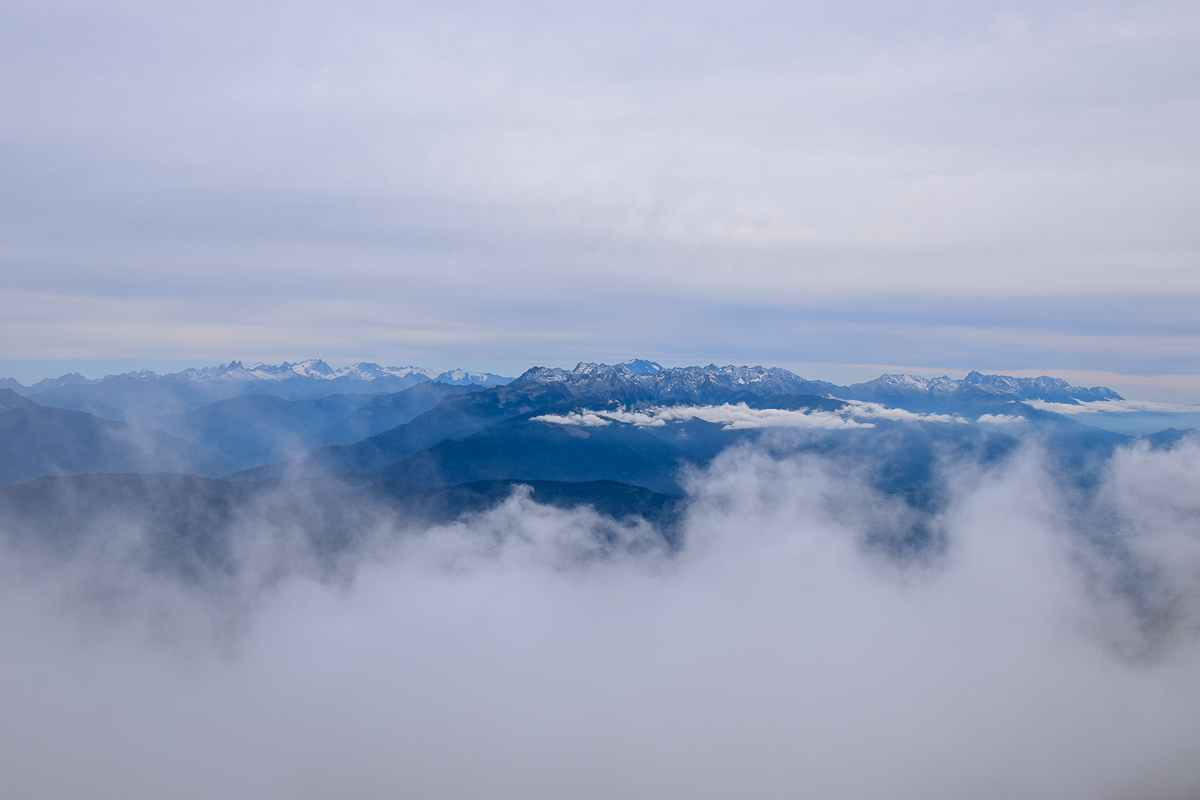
1004	186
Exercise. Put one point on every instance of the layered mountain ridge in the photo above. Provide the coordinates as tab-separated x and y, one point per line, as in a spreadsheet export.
633	379
237	372
143	395
214	445
600	421
36	441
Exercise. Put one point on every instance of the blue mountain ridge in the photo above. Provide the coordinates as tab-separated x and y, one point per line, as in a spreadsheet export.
434	433
621	439
36	441
495	433
143	395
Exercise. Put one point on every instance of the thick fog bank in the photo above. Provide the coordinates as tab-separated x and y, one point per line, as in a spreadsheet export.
784	651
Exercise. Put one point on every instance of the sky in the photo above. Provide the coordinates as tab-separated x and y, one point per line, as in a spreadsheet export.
840	188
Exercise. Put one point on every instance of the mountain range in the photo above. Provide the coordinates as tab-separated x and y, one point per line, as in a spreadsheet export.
633	424
329	453
143	395
638	380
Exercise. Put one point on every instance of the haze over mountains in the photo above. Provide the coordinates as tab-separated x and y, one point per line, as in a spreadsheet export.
635	423
36	441
955	528
143	395
365	417
367	447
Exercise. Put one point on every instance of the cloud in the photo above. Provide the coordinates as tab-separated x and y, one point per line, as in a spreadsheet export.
1114	407
1135	417
517	653
859	408
586	420
1154	497
732	417
740	416
998	419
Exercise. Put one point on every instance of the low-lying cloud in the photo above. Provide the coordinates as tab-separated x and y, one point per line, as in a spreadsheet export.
787	649
999	419
739	416
1113	407
1127	416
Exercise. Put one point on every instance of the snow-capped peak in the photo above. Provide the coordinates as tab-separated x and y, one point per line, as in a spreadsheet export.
311	368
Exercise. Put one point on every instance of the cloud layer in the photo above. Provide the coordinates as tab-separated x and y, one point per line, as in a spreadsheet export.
739	416
788	647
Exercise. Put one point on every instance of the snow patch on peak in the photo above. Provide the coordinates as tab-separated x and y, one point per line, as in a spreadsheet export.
312	368
370	371
893	383
640	366
913	386
463	376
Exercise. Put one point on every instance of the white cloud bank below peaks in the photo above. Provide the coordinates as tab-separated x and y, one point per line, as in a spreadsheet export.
740	416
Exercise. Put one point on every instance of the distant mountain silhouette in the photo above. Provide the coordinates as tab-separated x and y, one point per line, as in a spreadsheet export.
37	441
143	395
386	411
253	429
